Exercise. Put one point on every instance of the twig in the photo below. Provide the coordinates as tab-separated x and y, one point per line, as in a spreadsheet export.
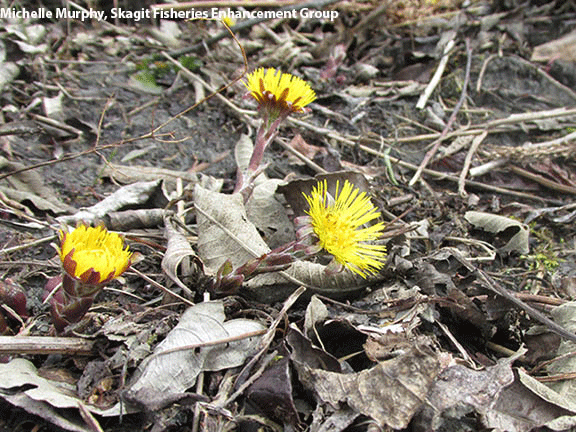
473	148
487	167
455	342
57	124
162	287
437	75
264	344
543	180
45	345
27	245
439	175
451	120
533	313
299	155
209	343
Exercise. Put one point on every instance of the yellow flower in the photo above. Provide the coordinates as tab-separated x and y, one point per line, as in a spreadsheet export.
279	93
339	224
93	255
228	21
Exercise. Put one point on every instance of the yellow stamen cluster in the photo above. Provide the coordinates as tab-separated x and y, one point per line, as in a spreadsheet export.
93	255
279	92
339	224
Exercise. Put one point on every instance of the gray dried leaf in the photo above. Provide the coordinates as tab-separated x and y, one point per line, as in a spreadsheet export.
133	195
52	401
8	71
135	219
390	392
224	232
504	401
178	254
496	224
29	185
178	359
565	315
269	215
130	174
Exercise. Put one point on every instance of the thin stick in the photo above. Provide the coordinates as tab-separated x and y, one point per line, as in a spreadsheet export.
162	287
27	245
451	120
439	175
543	180
473	148
306	160
533	313
437	75
45	345
264	344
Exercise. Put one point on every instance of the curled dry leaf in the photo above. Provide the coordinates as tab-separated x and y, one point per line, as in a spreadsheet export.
134	219
134	195
517	232
178	252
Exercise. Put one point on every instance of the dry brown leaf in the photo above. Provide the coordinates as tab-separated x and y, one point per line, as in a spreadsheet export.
391	392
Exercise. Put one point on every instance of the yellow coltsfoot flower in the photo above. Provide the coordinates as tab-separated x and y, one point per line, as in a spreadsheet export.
92	255
279	93
339	223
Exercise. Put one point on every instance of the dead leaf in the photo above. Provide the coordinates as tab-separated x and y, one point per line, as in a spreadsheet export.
190	348
269	215
563	48
273	394
179	254
565	315
138	194
300	145
55	402
390	392
130	174
517	232
215	244
29	185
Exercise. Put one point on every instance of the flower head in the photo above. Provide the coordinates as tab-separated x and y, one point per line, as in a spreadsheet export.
339	225
279	93
93	255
